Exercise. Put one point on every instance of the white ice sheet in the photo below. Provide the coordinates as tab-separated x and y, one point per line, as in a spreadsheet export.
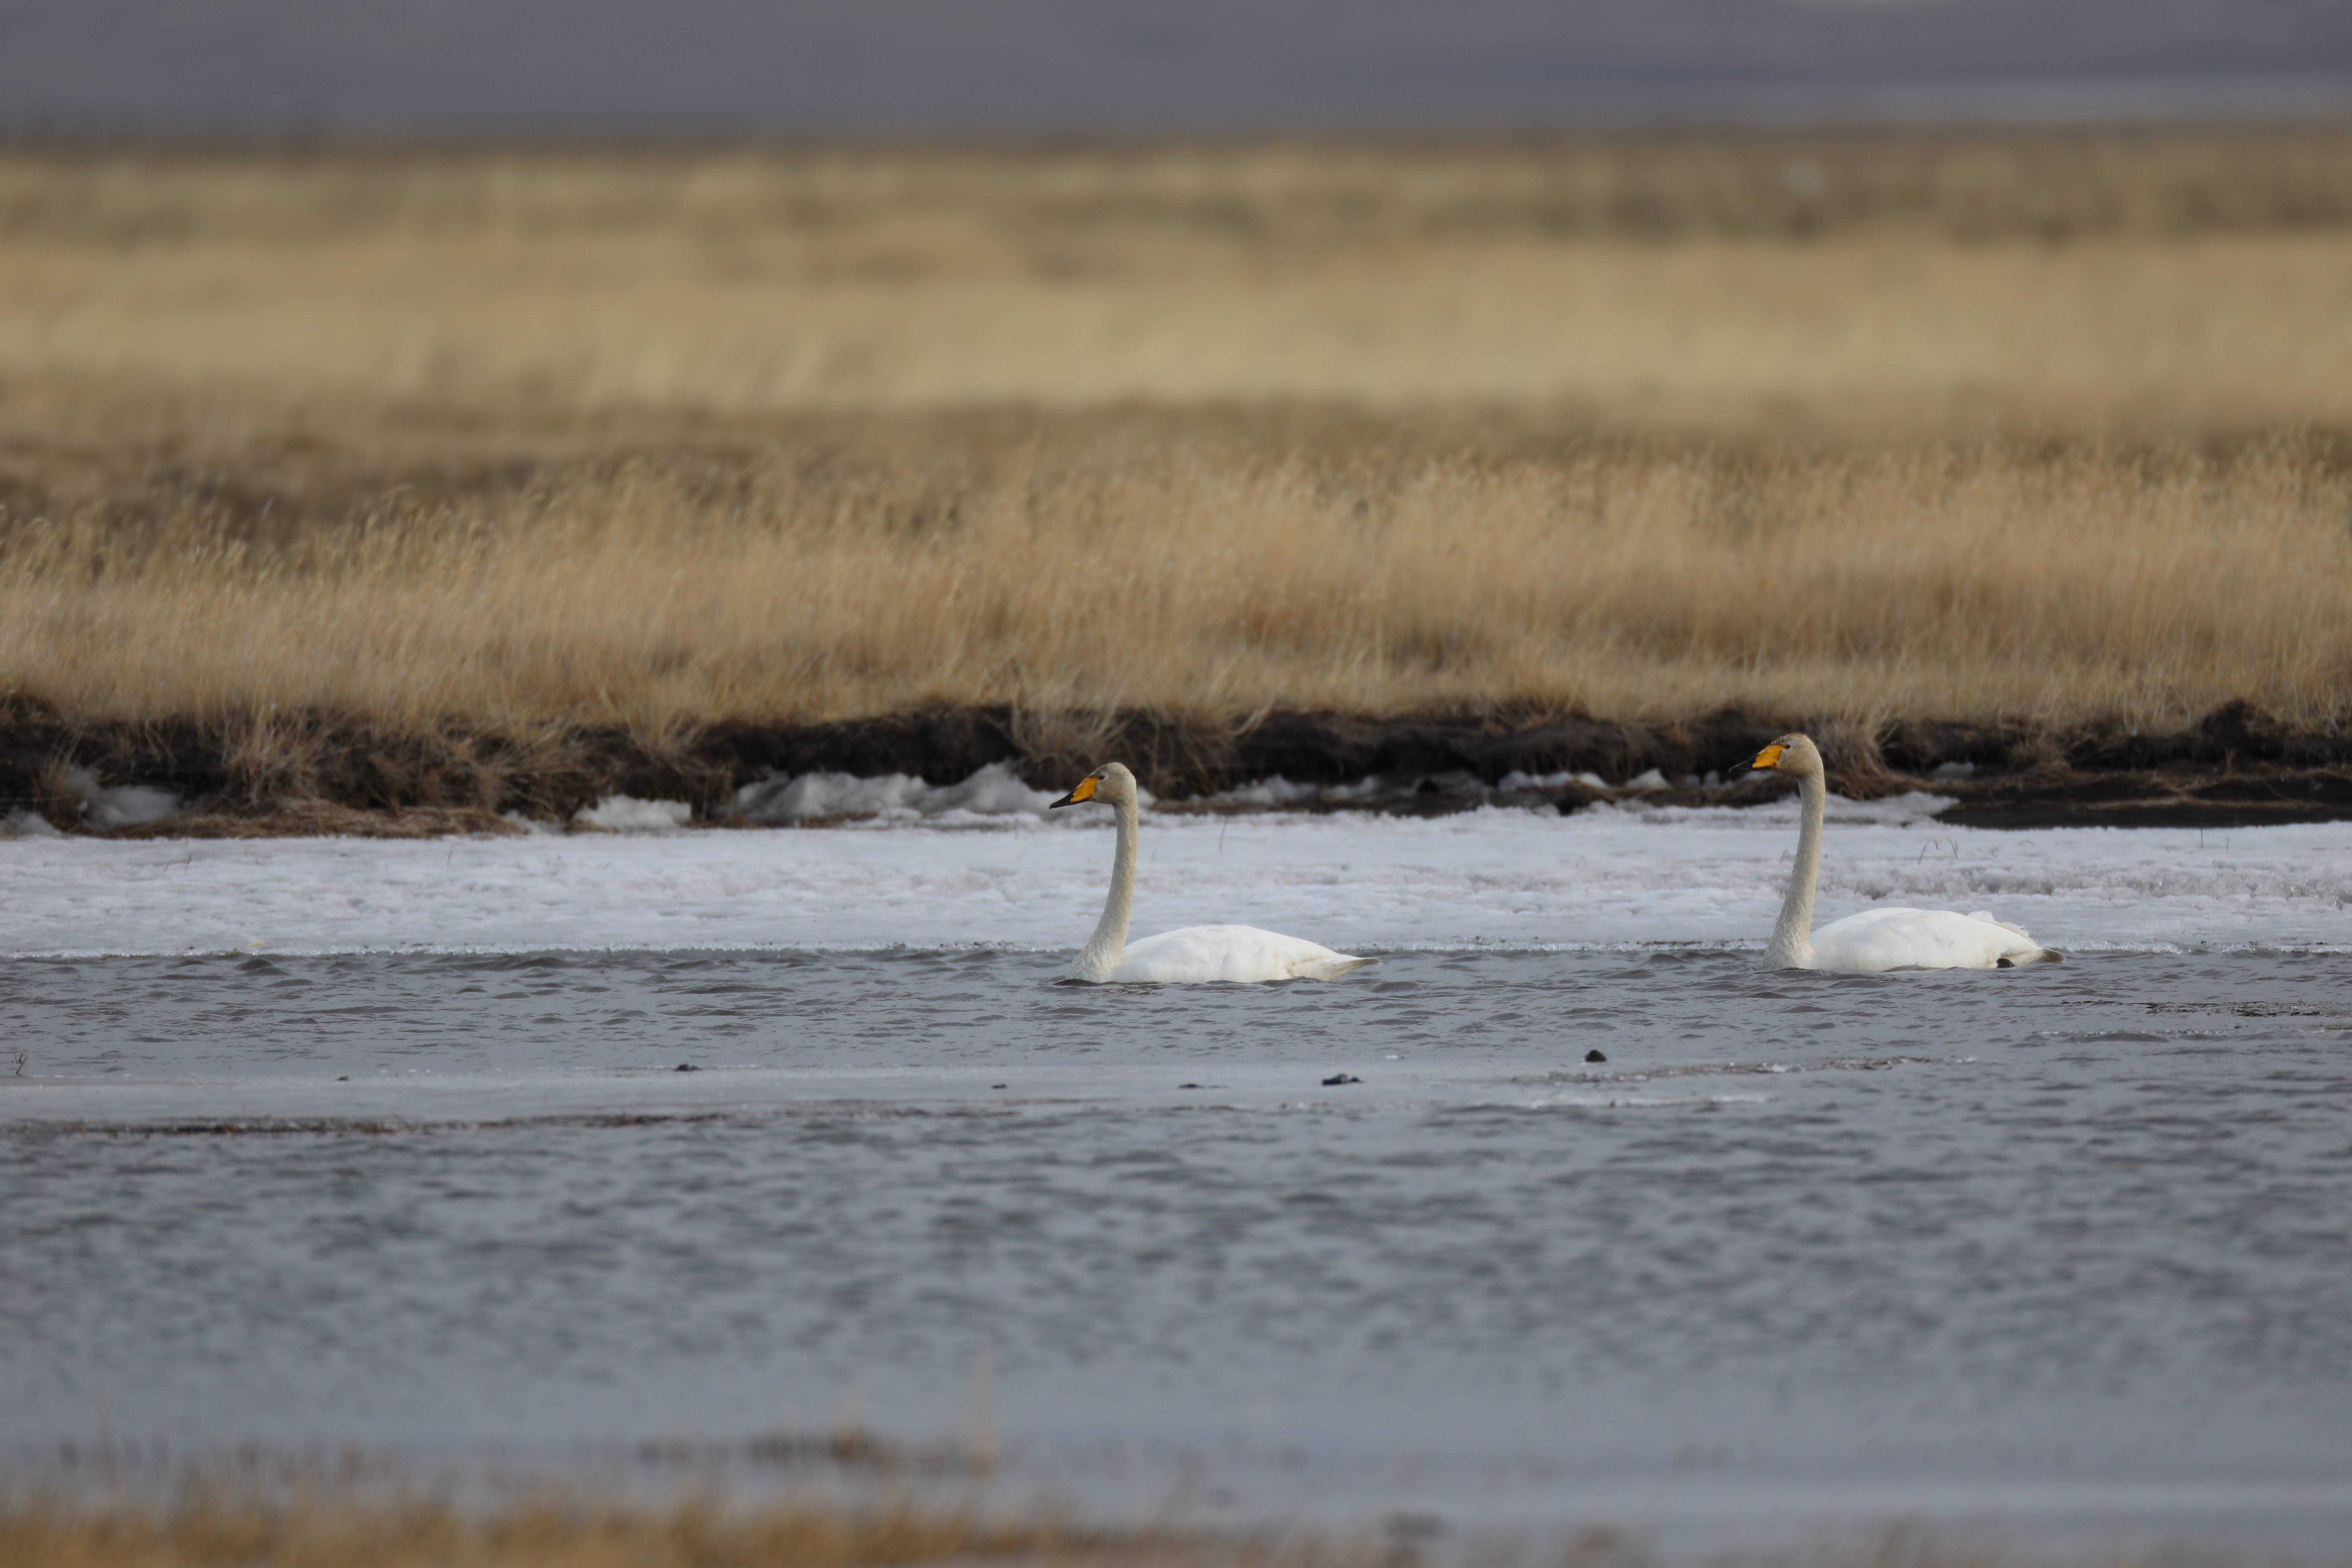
1604	877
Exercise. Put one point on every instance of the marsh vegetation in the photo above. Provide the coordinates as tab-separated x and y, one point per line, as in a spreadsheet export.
2042	429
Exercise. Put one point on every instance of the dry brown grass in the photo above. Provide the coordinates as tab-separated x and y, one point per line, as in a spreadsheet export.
1838	428
563	1530
1898	334
1894	282
210	1531
1095	568
1294	194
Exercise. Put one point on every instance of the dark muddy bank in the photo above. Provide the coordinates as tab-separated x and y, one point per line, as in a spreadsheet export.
320	774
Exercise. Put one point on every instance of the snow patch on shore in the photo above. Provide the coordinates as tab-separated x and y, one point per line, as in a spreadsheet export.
626	813
781	800
1516	780
122	805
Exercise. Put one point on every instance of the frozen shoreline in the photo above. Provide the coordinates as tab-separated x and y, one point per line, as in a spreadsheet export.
1606	877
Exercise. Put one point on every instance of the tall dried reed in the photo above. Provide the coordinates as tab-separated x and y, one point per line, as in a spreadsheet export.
1971	427
1213	579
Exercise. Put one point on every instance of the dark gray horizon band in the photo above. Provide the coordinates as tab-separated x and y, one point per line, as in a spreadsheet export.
567	66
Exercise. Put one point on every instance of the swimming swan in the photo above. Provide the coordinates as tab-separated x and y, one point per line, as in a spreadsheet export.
1195	953
1874	939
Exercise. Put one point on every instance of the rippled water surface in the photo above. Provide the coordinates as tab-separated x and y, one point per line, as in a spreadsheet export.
2058	1244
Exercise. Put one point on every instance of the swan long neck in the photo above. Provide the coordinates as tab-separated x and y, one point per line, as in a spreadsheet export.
1104	949
1792	939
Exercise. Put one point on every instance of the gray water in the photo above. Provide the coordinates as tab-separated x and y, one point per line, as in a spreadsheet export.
2065	1248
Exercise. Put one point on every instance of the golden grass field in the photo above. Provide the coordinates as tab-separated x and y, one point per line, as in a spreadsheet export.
572	1534
2051	429
1106	566
560	1530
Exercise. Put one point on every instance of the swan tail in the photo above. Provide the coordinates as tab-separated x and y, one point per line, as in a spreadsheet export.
2016	959
1335	966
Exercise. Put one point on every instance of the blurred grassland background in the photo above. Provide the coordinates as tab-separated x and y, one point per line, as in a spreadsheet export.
349	1528
352	1527
2045	427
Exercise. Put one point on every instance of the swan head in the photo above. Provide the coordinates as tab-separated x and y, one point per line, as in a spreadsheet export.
1794	755
1110	784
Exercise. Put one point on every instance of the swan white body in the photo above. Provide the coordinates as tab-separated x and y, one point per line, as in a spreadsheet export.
1195	954
1874	940
1886	939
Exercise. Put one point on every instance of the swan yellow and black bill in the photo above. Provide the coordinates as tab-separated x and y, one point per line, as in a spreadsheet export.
1769	757
1085	792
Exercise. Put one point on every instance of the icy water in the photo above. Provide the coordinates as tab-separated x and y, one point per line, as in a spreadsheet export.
2063	1249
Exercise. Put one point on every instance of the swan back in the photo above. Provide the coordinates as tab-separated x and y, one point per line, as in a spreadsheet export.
1199	954
1883	939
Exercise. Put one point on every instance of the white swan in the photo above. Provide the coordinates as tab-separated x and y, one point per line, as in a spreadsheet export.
1195	953
1874	939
